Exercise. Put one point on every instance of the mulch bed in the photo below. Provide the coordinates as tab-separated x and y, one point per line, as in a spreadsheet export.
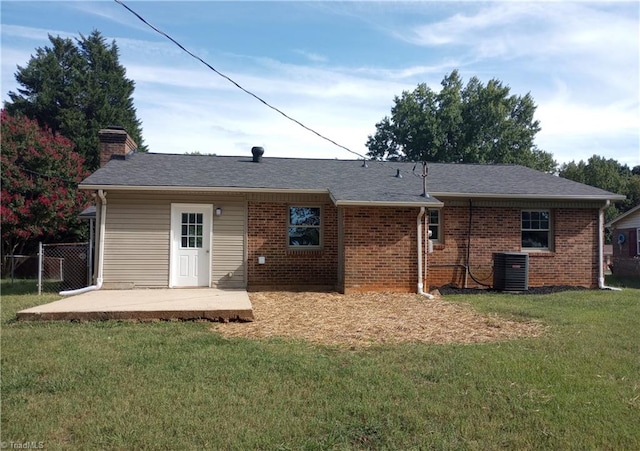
359	320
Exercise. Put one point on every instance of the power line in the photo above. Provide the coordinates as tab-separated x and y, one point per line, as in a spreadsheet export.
46	176
255	96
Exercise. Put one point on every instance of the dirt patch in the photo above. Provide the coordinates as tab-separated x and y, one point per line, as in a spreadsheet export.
366	319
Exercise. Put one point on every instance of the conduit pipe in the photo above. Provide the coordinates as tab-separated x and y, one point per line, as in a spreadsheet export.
420	283
601	284
103	215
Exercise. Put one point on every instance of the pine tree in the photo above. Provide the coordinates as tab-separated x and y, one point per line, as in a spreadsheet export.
75	89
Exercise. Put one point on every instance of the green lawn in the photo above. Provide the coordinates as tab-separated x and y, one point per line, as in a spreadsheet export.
174	385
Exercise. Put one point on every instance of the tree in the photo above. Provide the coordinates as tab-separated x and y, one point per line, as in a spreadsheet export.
40	173
475	124
75	89
607	174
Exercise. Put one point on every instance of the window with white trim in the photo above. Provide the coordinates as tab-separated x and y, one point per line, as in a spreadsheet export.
434	225
304	228
536	230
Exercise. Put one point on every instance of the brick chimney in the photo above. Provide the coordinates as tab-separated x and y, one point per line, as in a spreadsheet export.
115	142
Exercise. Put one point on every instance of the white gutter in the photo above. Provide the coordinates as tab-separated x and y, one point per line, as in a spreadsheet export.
204	189
601	284
237	189
606	197
374	203
98	285
419	229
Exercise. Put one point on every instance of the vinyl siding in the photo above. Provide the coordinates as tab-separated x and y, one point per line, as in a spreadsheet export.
137	239
631	221
228	247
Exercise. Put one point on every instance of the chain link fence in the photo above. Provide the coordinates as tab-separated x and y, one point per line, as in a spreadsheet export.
20	267
64	266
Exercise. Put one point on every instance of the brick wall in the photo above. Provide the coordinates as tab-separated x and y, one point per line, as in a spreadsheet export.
379	249
573	261
287	268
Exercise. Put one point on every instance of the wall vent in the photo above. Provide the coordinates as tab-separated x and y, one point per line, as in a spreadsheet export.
510	271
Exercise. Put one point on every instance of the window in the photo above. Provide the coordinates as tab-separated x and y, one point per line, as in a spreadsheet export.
434	224
304	227
536	228
191	230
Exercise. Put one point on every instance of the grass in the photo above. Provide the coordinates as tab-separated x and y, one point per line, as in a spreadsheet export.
169	385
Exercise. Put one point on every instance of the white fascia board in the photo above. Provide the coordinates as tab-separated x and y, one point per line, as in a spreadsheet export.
603	197
373	203
212	189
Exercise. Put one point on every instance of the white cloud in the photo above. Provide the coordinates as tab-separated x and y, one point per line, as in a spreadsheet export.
35	34
313	57
579	59
510	30
217	118
574	131
186	107
108	10
560	117
571	38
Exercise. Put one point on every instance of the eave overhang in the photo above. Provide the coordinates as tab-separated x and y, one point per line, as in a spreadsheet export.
431	201
209	189
572	197
428	202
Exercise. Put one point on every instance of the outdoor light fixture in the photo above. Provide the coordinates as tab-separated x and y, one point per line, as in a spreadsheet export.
218	211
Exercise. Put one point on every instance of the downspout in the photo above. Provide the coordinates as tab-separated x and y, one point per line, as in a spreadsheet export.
98	285
420	282
601	284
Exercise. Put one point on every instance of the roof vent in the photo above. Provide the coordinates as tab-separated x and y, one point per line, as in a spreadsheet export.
257	154
364	164
398	175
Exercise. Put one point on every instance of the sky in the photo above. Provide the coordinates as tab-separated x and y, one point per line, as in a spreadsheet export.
337	66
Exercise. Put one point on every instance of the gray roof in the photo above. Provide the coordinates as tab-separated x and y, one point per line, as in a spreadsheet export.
88	213
347	181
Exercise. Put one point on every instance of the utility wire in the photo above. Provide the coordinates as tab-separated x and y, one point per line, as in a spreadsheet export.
258	98
47	176
255	96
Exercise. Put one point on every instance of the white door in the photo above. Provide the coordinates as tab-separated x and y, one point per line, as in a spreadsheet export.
190	245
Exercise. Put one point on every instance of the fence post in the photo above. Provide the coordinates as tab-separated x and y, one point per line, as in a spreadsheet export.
40	262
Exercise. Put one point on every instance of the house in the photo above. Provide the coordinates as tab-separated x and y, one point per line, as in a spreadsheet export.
291	223
626	243
607	258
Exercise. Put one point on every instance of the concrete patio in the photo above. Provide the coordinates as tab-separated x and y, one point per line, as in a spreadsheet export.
150	304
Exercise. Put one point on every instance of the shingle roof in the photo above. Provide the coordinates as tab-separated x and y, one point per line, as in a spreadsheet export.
346	180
